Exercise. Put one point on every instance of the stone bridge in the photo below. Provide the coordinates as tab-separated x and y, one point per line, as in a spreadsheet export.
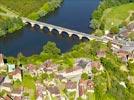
60	29
72	32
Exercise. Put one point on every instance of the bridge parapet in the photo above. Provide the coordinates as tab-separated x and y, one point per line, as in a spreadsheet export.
61	29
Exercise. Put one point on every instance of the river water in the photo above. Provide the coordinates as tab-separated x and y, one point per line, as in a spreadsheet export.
73	14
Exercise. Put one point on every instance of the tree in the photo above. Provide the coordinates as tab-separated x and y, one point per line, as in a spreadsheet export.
114	30
131	67
44	76
51	49
99	32
2	32
84	76
131	36
109	45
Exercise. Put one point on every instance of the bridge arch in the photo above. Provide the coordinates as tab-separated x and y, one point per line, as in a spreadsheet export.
45	28
64	34
55	31
27	23
36	26
75	36
85	39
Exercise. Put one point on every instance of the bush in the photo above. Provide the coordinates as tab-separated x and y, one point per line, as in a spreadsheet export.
84	76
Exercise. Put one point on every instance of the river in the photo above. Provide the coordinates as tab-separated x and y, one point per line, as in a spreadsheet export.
73	14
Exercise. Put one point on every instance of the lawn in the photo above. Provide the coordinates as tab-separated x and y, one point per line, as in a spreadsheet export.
2	11
23	7
29	85
116	15
28	82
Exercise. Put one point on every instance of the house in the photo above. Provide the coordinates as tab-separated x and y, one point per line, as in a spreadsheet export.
129	49
130	27
61	78
101	53
88	67
6	86
97	65
48	70
82	87
32	70
11	67
40	91
17	74
81	62
1	79
124	33
17	98
123	55
48	63
110	36
90	86
72	72
49	67
1	60
7	97
130	56
7	80
17	93
71	86
54	91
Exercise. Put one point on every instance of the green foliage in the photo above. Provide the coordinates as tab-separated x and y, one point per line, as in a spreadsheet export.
99	32
28	82
33	9
114	16
97	15
131	67
84	76
34	16
51	49
2	32
45	9
131	36
10	25
94	70
132	17
44	76
17	84
114	30
23	7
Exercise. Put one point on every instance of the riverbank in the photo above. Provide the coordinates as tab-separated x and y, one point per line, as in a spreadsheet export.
9	25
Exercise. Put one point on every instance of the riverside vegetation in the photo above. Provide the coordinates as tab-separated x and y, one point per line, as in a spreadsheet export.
107	83
33	9
112	15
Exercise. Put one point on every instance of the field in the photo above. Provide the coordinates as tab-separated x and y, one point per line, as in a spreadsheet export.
23	7
116	15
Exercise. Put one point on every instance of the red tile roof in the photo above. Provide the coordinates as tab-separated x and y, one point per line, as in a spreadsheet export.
71	85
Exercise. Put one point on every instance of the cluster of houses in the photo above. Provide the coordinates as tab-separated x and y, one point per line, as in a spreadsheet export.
69	79
47	89
123	33
126	31
9	74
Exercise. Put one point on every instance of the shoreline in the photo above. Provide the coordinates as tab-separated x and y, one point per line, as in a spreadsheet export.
38	13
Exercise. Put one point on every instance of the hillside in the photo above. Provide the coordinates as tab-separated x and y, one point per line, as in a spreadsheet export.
23	7
116	15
